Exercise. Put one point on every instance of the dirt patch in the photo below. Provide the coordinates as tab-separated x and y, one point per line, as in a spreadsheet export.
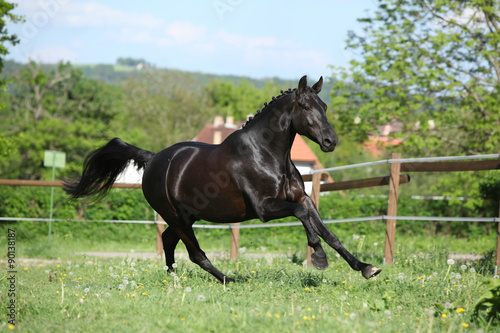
86	255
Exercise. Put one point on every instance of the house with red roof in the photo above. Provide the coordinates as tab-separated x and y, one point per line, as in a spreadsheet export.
381	138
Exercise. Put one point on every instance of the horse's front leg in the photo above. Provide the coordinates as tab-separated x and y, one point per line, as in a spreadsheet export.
276	208
367	270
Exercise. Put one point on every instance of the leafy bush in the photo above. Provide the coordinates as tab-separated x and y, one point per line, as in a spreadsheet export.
489	188
487	307
123	204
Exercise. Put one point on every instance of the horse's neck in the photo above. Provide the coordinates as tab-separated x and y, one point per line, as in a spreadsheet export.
273	129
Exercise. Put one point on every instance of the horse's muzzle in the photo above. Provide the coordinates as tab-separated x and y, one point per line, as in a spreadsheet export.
328	144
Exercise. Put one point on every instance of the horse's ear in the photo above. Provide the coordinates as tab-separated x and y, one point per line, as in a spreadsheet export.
302	84
318	85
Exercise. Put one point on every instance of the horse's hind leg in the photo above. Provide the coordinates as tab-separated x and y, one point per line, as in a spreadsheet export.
170	240
196	255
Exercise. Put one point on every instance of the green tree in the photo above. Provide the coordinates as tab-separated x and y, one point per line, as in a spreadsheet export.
5	39
161	109
130	61
239	101
434	66
55	109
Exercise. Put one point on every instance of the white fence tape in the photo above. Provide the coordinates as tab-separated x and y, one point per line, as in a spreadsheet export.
289	224
410	160
282	224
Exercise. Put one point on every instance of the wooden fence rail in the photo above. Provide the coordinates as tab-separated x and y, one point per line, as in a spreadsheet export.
54	183
393	180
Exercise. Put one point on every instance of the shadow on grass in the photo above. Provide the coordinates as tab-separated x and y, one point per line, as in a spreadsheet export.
299	279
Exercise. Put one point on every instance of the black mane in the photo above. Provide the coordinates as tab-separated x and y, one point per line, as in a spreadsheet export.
275	98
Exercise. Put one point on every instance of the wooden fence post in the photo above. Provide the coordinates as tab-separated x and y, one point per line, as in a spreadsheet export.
316	185
497	262
235	241
392	210
160	227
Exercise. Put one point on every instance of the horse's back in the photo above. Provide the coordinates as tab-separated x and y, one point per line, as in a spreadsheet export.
196	179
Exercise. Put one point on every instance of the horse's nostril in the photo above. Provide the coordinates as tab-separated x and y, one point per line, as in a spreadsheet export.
329	143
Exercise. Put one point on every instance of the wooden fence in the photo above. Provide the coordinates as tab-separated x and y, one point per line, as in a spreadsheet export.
394	180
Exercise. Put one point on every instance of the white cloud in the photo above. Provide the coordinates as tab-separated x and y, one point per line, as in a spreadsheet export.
244	42
148	29
182	31
93	14
116	24
188	41
67	14
87	14
53	54
177	33
265	51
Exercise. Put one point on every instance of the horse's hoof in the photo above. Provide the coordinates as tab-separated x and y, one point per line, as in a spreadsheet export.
371	271
227	279
318	262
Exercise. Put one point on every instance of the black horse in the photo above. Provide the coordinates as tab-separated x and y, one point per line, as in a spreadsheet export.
249	175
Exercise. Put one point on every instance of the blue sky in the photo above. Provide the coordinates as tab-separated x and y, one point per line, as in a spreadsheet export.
255	38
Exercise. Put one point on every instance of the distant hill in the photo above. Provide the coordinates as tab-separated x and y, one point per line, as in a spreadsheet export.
117	74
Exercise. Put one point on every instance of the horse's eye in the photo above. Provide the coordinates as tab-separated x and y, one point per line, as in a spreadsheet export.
305	107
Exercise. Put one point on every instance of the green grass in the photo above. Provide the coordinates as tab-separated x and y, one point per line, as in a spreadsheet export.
420	292
70	237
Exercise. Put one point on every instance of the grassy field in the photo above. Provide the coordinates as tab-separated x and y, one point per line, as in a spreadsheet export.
70	237
421	292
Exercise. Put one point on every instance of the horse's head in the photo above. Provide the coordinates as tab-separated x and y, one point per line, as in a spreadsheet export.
309	116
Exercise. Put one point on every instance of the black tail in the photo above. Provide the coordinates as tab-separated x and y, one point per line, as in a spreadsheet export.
102	166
